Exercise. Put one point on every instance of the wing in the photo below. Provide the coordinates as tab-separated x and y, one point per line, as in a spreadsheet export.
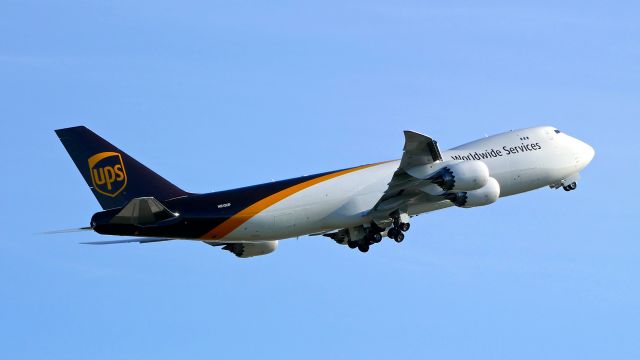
404	188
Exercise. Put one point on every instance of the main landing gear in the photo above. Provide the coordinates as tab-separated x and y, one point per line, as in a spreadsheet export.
396	232
570	187
362	237
374	234
362	245
400	226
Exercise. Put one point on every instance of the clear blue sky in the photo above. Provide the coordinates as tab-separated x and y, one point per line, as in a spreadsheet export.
215	95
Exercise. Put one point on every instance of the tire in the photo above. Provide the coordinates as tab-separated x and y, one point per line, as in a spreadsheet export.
352	244
399	237
391	233
405	227
377	237
364	247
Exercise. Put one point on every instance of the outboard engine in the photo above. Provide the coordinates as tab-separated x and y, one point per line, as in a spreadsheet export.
486	195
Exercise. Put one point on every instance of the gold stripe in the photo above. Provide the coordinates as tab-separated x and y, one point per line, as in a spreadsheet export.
247	213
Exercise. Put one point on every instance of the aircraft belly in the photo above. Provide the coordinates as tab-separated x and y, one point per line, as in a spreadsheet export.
337	203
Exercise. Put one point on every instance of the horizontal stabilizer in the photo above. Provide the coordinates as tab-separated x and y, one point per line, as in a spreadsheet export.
125	241
65	231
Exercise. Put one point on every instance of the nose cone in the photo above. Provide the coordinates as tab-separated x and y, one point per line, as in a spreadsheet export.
586	153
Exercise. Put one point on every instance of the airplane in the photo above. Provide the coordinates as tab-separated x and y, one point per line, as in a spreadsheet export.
356	206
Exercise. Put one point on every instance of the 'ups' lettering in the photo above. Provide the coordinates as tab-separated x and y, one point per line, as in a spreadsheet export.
108	173
98	177
119	173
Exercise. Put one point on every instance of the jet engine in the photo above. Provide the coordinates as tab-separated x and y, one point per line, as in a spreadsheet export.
486	195
251	249
461	176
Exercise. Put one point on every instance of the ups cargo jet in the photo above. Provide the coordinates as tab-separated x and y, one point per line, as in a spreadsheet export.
356	206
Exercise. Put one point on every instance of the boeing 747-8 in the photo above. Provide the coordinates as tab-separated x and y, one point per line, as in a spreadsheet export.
357	206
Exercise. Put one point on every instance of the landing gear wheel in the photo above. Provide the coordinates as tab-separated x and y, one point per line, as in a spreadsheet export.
363	247
377	237
570	187
404	227
399	237
391	233
352	244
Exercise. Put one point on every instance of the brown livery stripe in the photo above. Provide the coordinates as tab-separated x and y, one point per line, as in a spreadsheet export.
247	213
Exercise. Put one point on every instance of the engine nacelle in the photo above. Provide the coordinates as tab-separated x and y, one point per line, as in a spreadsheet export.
486	195
461	176
247	249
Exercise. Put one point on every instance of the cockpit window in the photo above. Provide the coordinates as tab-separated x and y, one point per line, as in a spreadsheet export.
557	131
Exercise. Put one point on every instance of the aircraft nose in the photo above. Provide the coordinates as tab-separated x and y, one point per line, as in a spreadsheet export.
587	152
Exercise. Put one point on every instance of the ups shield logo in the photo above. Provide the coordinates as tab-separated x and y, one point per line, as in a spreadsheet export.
107	173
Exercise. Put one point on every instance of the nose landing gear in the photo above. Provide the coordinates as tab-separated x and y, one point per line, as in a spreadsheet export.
568	183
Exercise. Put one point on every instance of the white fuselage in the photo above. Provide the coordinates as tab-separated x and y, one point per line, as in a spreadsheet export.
520	161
